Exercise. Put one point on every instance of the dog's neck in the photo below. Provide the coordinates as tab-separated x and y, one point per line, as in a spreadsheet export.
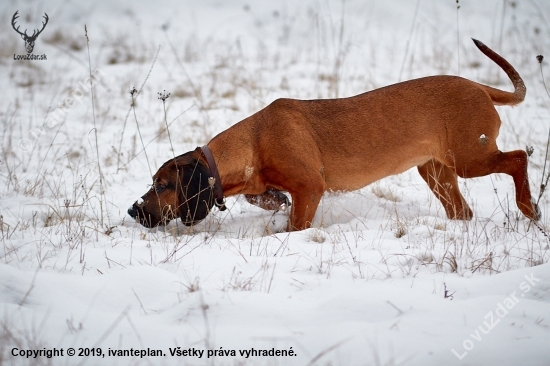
235	161
217	184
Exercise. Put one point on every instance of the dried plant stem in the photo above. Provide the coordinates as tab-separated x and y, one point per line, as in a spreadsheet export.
457	38
163	96
409	40
133	92
168	129
138	92
102	200
544	183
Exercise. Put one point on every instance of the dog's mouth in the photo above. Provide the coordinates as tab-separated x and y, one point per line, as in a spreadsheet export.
148	220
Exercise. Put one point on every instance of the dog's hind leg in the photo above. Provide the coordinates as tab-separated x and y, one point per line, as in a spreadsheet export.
443	183
269	200
513	163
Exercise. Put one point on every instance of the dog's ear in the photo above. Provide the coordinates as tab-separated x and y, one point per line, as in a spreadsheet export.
196	196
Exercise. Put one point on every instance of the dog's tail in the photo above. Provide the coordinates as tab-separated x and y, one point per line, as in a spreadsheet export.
501	97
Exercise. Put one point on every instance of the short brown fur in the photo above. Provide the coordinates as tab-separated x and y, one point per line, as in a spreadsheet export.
306	147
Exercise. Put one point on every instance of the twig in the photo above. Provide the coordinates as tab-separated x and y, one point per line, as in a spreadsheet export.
108	331
457	37
395	307
541	229
543	183
409	40
22	302
101	191
140	303
138	92
325	351
163	96
447	295
154	138
134	94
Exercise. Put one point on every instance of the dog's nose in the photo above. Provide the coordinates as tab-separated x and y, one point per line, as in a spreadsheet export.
132	211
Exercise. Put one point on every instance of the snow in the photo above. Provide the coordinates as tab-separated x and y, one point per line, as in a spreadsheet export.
382	277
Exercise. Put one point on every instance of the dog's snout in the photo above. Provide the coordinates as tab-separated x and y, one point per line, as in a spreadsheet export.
132	211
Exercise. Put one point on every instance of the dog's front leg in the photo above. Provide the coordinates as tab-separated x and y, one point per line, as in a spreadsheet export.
304	205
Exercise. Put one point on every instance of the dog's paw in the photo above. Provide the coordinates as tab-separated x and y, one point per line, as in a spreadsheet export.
283	200
270	200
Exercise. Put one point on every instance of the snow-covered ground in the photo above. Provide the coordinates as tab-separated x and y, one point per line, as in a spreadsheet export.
382	278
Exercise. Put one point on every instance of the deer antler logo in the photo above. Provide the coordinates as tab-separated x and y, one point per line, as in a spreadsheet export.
29	40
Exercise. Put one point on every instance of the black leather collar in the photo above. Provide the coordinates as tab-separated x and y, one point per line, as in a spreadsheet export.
217	184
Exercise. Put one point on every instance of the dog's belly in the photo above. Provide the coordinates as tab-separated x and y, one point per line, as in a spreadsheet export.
358	165
355	173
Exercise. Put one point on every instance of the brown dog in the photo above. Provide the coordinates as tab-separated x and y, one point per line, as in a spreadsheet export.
446	126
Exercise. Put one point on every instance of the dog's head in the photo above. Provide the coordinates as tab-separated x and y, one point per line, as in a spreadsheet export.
180	189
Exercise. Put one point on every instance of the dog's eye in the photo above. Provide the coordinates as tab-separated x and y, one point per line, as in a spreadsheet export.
159	188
